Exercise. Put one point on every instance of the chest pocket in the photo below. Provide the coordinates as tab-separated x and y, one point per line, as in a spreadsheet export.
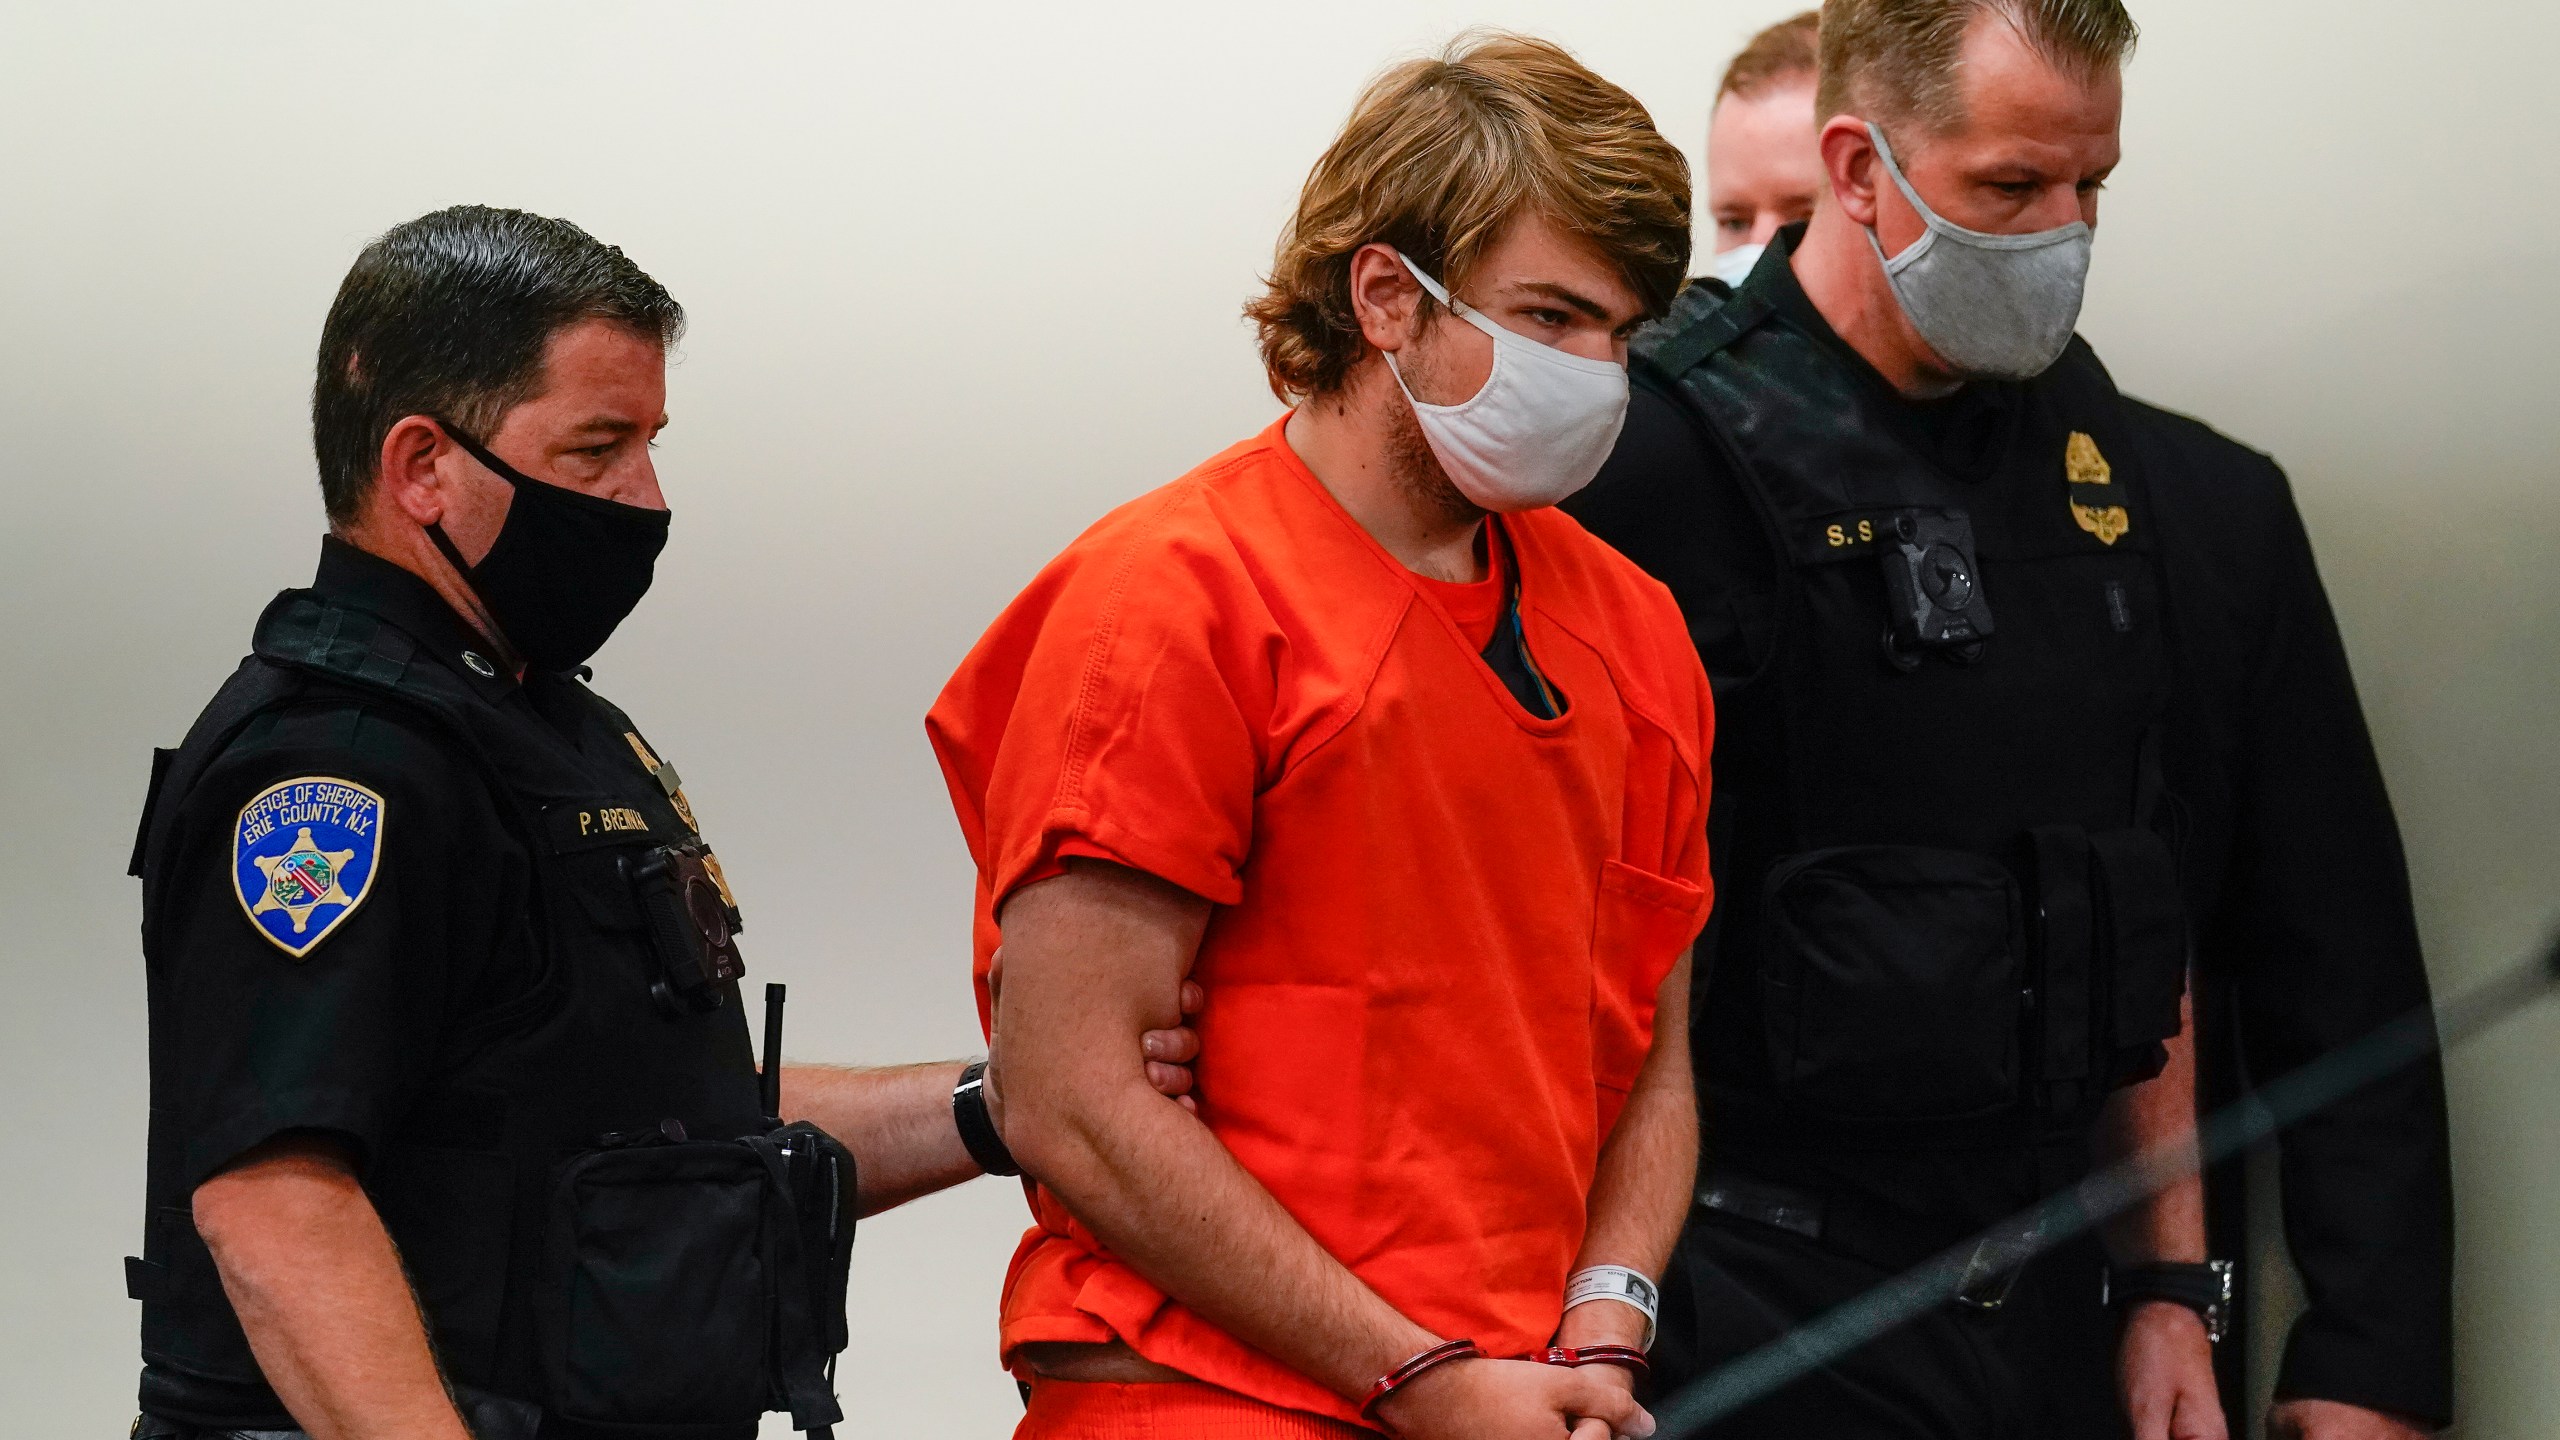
1893	979
1642	923
659	889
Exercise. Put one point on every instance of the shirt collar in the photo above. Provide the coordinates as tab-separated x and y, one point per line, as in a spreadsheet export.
1954	428
365	581
1774	280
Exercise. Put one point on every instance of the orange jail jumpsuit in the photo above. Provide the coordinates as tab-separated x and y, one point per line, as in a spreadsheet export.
1442	920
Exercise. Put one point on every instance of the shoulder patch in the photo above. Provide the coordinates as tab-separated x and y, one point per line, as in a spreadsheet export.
303	856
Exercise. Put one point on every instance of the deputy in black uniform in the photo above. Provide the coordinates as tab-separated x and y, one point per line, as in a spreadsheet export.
443	975
2025	691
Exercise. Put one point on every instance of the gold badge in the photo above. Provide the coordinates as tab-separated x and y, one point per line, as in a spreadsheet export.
665	775
2083	466
719	877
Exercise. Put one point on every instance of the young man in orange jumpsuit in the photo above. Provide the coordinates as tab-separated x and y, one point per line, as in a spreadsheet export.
1409	773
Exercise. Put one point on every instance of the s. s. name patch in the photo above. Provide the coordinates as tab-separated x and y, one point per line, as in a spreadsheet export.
303	857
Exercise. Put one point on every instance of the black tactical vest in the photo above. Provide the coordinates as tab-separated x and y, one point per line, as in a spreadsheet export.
597	1216
1948	916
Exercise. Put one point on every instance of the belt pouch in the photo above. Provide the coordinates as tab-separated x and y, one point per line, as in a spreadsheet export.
2064	929
692	1285
2145	930
813	1177
1892	982
659	1289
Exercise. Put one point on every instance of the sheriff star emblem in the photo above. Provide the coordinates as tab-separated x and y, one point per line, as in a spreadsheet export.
303	857
2091	477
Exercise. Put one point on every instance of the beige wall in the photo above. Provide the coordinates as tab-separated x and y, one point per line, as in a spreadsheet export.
962	277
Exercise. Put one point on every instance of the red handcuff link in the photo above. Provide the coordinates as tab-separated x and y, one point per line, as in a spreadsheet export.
1626	1357
1414	1369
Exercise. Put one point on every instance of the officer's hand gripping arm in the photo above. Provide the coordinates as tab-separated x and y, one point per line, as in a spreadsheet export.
897	1119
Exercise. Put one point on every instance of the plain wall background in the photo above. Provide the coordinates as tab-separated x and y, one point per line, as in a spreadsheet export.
961	278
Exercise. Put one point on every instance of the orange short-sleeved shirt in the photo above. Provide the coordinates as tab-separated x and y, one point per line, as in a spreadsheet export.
1442	920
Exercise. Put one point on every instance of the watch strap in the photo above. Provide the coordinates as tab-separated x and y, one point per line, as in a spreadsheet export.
2206	1288
978	1128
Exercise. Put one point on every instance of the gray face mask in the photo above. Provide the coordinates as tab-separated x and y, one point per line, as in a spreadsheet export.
1993	306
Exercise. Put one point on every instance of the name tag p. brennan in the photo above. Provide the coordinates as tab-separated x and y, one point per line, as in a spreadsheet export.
575	825
611	819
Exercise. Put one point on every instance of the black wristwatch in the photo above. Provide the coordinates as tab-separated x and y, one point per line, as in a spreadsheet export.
2206	1289
977	1128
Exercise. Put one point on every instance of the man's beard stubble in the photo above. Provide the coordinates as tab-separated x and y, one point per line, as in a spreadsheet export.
1409	455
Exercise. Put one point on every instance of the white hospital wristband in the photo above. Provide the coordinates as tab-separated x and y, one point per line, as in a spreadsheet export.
1616	1282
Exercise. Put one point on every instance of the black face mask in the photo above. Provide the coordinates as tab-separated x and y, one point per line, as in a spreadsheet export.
565	568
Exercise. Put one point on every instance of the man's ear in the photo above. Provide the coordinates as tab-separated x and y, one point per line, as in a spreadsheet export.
1849	158
406	473
1384	297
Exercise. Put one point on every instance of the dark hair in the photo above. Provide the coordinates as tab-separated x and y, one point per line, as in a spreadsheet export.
449	315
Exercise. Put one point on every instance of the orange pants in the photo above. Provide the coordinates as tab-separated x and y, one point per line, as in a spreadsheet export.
1074	1410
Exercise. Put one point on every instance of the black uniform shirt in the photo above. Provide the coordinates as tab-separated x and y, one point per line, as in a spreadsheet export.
256	1042
2293	863
250	1042
394	907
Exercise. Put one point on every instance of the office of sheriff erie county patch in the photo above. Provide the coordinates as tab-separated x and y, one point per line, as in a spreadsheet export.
303	857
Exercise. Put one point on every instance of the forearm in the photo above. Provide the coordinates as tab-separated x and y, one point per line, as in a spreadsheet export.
1155	1186
1640	1195
1095	958
320	1293
2156	1115
895	1119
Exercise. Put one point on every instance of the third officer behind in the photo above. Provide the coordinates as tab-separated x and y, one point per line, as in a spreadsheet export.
2024	688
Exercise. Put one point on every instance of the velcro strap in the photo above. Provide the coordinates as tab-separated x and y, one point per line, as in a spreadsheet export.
1839	1222
1677	353
2066	932
145	1280
1778	1206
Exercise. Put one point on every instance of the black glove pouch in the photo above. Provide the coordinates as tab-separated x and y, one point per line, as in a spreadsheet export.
2111	927
1893	980
692	1285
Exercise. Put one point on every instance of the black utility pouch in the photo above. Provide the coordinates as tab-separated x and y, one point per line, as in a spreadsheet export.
1893	982
2111	948
2145	932
692	1285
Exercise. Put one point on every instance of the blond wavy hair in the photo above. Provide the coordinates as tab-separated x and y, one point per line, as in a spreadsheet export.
1440	155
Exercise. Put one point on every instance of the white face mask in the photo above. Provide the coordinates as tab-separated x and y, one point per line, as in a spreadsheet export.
1993	306
1536	432
1734	266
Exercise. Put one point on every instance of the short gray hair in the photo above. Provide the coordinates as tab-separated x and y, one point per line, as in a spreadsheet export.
1897	59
